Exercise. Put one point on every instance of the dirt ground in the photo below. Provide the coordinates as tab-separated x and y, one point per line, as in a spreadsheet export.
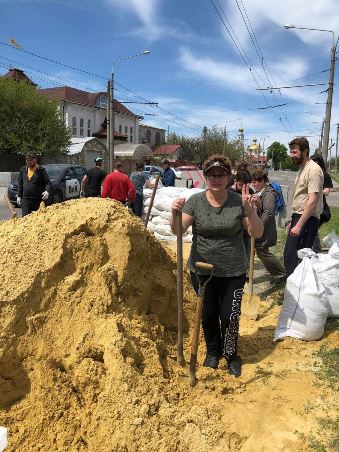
88	348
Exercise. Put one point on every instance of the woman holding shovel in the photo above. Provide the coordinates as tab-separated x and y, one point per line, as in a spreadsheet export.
218	218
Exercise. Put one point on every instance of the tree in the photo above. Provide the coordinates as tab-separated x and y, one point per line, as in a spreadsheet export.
211	141
29	121
277	153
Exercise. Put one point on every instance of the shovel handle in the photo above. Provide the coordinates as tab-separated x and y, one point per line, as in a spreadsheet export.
195	342
204	266
152	200
180	269
250	275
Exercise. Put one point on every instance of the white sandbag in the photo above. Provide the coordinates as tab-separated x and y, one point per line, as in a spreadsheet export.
331	239
166	238
147	202
3	438
187	238
326	267
147	193
305	309
164	229
188	192
155	212
159	220
166	215
152	227
163	203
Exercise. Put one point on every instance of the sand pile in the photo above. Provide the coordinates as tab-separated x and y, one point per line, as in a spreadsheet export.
87	348
88	311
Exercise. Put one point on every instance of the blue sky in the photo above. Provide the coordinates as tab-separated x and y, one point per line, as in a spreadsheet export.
194	70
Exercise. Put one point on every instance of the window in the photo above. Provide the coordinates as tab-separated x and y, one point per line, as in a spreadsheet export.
101	101
120	128
131	134
74	126
79	173
88	127
82	127
126	130
157	138
148	136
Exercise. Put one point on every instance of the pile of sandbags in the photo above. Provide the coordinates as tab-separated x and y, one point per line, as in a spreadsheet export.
159	222
311	296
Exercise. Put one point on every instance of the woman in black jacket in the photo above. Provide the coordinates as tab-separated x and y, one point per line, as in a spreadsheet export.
266	211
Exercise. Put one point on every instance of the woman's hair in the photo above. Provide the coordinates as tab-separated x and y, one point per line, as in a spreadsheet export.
243	176
260	176
214	159
318	159
139	166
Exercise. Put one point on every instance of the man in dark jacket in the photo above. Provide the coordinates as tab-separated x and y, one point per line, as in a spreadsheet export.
93	179
33	185
168	175
266	212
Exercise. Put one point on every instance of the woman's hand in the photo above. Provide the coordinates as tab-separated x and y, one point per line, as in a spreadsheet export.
250	202
178	204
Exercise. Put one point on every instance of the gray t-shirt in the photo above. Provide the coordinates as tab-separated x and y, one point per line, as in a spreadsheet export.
217	234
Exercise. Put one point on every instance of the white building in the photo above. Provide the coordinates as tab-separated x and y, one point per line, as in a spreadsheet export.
85	114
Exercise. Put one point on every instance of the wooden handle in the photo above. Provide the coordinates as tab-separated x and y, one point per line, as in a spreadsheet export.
180	290
204	266
250	275
152	200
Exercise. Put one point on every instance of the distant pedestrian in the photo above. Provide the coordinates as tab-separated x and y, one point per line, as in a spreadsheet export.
266	211
307	203
92	181
138	179
241	166
168	175
327	188
34	185
118	186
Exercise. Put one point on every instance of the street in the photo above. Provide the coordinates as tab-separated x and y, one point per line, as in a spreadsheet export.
283	177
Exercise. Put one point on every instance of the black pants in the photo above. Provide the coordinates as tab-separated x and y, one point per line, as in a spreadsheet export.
137	205
304	240
221	313
29	205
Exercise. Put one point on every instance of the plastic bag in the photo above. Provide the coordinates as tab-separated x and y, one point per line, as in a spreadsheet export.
331	239
305	309
3	438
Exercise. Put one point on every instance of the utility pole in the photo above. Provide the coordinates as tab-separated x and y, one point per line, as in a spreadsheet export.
321	136
109	123
336	152
327	125
112	122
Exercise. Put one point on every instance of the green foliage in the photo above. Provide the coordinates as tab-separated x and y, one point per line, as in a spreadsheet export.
277	152
29	121
211	141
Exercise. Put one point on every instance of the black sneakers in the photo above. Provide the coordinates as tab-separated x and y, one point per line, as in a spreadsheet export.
234	365
211	361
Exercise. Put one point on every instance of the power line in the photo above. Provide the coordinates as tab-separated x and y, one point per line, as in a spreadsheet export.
242	54
260	55
102	77
294	86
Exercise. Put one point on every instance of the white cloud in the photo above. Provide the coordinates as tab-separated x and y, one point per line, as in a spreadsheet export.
322	14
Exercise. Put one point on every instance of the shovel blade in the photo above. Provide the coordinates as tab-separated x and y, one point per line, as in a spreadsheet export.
250	306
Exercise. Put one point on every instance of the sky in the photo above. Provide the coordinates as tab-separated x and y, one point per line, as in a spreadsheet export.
207	59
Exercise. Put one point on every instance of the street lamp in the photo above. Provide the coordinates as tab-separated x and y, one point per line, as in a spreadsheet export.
327	121
111	121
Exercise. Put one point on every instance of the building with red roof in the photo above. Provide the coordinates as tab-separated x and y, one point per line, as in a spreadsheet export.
172	152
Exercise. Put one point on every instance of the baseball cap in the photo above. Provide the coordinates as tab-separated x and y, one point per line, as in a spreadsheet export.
98	160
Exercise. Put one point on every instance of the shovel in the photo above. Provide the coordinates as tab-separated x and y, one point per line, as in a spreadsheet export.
180	342
203	280
152	200
250	302
9	204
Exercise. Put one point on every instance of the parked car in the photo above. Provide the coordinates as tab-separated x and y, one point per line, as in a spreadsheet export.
65	179
151	170
178	171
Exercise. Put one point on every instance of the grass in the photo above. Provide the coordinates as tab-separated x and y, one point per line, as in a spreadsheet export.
328	369
335	177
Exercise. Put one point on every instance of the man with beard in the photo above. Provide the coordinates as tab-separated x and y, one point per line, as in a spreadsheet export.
307	203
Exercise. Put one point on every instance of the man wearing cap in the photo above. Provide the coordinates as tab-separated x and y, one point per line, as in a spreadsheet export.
168	175
93	180
33	186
